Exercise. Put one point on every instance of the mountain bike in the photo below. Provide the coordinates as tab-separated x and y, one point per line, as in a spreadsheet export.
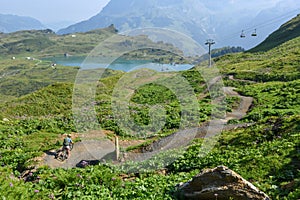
62	154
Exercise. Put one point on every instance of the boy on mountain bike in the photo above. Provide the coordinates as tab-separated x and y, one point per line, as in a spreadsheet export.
66	145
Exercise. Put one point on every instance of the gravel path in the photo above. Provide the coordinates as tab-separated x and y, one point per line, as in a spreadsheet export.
184	137
92	147
96	146
242	109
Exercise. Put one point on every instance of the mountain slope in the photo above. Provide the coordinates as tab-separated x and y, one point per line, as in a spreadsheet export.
12	23
130	14
220	20
45	43
278	64
265	151
286	32
22	72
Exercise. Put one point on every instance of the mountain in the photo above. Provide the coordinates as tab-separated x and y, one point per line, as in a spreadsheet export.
286	32
187	16
263	147
220	20
45	43
55	26
12	23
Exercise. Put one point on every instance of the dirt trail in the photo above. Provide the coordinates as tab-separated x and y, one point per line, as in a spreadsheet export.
184	137
95	145
242	109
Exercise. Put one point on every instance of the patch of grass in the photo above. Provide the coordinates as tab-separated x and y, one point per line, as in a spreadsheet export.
286	32
278	64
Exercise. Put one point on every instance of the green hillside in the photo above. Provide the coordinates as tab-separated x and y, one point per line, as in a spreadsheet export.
49	101
23	56
286	32
22	76
45	43
39	43
265	152
278	64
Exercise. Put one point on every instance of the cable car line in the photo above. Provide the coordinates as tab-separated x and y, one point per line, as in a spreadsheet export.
254	28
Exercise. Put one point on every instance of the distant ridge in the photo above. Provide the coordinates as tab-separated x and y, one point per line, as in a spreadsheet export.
286	32
220	20
13	23
46	42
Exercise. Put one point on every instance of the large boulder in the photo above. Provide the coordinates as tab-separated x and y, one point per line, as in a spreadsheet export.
220	183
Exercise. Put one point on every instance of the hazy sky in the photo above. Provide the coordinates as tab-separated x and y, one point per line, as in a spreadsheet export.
49	11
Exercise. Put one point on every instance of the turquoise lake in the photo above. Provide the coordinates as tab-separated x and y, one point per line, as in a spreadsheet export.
120	64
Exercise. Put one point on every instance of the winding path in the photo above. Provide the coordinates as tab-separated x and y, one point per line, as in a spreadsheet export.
96	146
208	129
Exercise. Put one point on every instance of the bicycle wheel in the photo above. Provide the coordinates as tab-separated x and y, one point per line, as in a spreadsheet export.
71	146
64	155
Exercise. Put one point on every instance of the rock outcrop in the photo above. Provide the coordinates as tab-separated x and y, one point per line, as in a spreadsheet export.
220	183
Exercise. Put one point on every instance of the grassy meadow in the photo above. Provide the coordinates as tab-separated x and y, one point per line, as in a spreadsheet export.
36	109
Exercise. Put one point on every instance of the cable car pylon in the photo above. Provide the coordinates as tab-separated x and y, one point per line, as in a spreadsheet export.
242	34
254	33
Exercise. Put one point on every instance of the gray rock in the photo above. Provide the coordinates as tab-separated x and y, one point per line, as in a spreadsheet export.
220	183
